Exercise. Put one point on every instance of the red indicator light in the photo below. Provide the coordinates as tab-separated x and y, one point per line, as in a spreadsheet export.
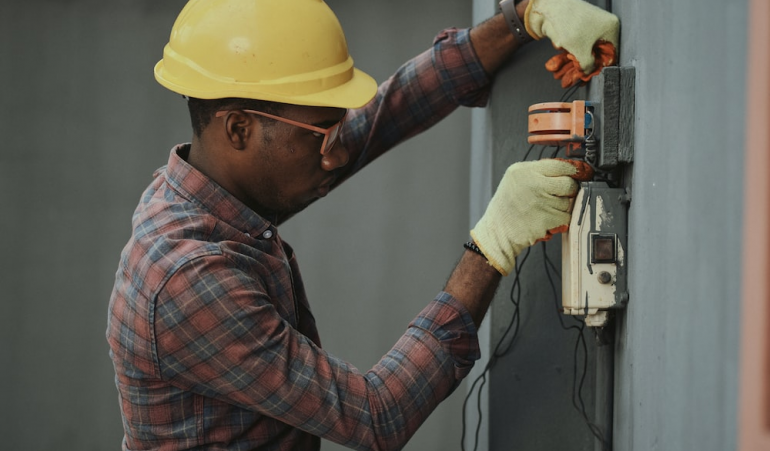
603	249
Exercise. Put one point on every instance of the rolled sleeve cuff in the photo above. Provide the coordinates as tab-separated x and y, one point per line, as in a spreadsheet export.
460	71
449	322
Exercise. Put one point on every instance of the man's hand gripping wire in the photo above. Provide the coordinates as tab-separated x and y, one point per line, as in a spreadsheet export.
532	202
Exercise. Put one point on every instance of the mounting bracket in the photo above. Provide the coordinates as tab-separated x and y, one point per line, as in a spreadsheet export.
612	96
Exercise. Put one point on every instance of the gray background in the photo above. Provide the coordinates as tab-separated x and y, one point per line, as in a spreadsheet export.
83	125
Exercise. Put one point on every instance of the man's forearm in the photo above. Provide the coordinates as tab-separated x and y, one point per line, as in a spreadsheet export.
493	41
473	283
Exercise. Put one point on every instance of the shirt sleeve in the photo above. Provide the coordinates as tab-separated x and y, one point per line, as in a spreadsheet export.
219	335
423	91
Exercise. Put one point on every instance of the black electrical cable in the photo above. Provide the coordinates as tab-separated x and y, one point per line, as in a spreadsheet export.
575	392
577	389
515	298
528	152
570	92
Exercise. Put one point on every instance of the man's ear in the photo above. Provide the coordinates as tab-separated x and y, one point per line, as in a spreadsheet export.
239	128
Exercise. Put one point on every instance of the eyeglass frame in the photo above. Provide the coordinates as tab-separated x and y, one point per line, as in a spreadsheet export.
325	131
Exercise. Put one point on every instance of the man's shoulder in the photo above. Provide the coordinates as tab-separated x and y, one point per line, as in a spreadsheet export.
173	231
167	231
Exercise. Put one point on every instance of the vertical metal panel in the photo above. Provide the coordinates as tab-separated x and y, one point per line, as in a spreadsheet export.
531	386
755	338
676	362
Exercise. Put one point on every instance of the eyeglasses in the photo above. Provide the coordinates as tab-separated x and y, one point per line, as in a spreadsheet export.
331	134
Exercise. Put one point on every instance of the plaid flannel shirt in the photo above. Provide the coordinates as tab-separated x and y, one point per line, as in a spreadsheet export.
210	331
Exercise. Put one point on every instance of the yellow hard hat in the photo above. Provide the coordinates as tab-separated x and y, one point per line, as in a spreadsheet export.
288	51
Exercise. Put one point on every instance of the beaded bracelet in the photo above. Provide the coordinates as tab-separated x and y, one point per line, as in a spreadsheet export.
470	245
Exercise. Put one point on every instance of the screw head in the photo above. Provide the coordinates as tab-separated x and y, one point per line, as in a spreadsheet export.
604	277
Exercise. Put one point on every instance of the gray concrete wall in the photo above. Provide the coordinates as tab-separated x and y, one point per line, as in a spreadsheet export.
676	357
83	125
677	360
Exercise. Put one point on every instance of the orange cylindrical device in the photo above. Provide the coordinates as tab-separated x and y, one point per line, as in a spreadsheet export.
558	124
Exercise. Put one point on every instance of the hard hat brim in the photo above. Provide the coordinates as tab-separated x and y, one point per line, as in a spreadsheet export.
354	93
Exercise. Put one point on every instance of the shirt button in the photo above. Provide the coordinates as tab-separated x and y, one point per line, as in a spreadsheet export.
268	234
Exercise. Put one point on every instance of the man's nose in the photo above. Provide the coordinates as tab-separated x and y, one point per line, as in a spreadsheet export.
335	158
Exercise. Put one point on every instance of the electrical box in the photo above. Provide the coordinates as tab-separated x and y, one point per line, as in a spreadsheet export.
599	131
594	266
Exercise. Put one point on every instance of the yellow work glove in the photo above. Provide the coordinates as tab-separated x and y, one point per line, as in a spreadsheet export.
573	25
532	201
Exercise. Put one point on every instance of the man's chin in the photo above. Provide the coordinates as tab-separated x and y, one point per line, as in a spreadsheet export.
285	209
290	210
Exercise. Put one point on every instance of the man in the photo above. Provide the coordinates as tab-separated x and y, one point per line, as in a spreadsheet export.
211	333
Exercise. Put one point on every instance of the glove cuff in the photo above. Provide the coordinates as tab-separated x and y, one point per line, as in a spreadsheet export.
533	22
503	266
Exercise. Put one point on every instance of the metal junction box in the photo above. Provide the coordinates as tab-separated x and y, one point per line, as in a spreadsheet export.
594	266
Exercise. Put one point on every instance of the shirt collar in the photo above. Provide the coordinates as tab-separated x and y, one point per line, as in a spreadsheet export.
195	186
